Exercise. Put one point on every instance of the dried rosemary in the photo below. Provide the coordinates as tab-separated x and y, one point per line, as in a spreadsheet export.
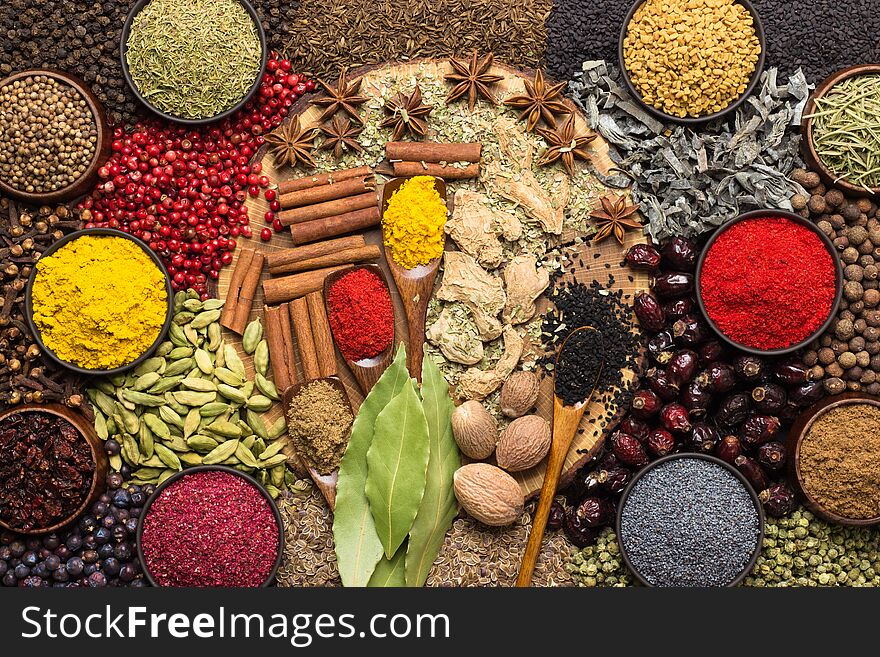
846	130
193	58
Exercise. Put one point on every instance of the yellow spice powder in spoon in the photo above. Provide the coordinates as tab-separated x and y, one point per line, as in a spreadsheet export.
413	223
99	301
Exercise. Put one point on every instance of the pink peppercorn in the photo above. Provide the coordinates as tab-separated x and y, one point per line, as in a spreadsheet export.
210	529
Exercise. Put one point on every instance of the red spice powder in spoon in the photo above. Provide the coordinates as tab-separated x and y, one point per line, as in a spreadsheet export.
210	529
768	282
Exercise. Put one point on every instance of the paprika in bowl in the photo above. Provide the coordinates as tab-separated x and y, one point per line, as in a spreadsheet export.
769	282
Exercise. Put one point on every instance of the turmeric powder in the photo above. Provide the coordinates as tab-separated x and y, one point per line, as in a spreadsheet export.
99	301
413	223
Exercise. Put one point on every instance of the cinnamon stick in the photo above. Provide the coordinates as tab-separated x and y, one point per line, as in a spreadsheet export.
346	257
321	334
321	229
287	288
307	182
299	253
305	342
277	349
289	348
426	151
247	293
327	209
231	305
329	192
404	169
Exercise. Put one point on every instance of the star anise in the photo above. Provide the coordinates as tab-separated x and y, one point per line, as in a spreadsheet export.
290	144
407	114
614	218
343	97
566	144
539	102
341	136
472	78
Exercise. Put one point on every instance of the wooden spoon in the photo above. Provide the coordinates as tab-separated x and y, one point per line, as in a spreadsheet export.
566	420
326	483
367	370
414	285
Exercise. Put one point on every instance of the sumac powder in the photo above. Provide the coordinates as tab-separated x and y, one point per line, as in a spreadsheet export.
768	282
210	529
46	469
361	315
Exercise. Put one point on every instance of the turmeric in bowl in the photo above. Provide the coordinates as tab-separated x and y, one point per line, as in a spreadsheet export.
99	301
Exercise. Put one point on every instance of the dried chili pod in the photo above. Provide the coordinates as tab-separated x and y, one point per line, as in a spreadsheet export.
711	352
629	451
643	256
704	438
672	284
748	368
733	410
759	429
778	500
645	404
729	449
556	517
718	378
769	398
635	427
648	311
660	347
659	383
680	253
690	330
772	455
807	393
675	417
678	308
682	367
696	399
753	472
791	372
660	442
616	480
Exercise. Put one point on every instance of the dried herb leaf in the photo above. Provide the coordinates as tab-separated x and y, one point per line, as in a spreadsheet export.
390	572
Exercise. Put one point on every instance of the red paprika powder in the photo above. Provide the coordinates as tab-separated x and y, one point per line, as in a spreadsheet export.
768	282
361	315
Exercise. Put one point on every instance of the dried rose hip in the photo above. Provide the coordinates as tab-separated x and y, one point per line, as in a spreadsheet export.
675	418
649	312
643	256
682	367
660	442
629	451
680	253
729	449
772	455
672	284
645	403
778	500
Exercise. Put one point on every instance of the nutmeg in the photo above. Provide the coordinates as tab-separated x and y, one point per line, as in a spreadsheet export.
519	394
474	430
523	444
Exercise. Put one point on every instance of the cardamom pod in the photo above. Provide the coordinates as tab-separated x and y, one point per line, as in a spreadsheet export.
214	338
143	398
192	305
168	457
213	304
180	409
252	336
293	484
228	377
261	358
158	427
199	385
165	384
180	352
214	408
115	462
112	430
184	317
170	416
233	360
168	472
146	381
221	452
130	452
192	336
118	380
191	398
272	461
224	428
278	428
273	492
130	420
177	336
146	473
180	367
177	443
247	389
202	443
164	349
145	438
265	386
101	425
153	364
179	299
245	456
191	423
244	426
220	355
204	362
190	458
205	318
255	422
249	441
232	394
122	400
273	449
106	387
277	476
259	403
258	447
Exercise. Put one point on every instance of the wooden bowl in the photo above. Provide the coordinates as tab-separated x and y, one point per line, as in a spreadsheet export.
270	580
796	435
29	307
808	150
86	182
96	445
123	47
694	120
838	273
705	457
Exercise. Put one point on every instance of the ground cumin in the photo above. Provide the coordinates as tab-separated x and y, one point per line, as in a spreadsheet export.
840	460
319	423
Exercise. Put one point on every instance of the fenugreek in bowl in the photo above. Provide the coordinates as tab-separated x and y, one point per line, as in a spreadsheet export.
98	301
691	61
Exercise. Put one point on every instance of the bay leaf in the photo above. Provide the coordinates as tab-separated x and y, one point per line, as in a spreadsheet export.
397	463
439	506
390	572
358	548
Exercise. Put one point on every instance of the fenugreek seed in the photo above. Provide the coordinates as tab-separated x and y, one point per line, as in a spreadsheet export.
252	336
220	453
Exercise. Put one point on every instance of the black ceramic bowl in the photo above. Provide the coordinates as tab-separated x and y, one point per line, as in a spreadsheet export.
694	120
838	269
270	580
705	457
123	46
29	309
